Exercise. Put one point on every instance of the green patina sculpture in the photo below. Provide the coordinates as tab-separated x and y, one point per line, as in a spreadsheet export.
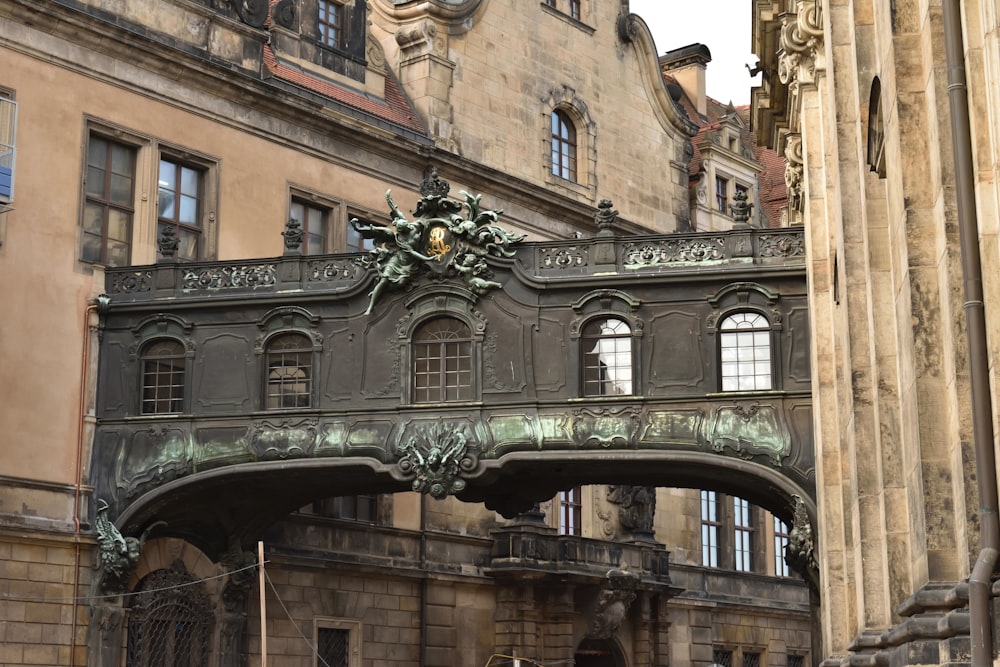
800	551
436	455
439	238
118	554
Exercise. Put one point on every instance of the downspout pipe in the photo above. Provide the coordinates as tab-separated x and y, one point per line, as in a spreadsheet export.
981	625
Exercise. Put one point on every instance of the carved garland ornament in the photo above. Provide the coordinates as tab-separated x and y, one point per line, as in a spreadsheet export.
436	455
229	277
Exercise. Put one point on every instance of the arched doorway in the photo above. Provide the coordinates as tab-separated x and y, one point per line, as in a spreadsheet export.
598	653
170	620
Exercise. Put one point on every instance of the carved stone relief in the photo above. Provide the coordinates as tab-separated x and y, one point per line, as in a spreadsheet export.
285	439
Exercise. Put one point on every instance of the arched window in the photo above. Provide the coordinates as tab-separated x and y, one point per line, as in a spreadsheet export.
876	130
563	146
745	352
289	372
162	377
607	358
442	361
169	621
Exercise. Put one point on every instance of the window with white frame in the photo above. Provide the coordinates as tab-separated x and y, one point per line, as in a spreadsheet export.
564	146
442	361
745	352
742	535
780	544
163	363
607	358
570	511
289	372
710	525
8	146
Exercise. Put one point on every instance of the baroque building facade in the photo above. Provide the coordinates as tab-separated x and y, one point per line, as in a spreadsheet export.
174	398
886	113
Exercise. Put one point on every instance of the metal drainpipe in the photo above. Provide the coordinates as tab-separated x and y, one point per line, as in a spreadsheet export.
423	579
981	626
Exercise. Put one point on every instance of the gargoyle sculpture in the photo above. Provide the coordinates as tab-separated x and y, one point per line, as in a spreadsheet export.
118	554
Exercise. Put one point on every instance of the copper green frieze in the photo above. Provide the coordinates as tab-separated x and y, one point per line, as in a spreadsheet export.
440	238
436	455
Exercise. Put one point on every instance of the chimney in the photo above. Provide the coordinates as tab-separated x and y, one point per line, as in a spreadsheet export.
687	65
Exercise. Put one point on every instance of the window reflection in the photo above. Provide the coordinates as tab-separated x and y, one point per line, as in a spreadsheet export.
607	361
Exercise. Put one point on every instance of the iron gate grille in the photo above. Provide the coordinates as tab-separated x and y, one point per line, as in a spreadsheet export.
169	621
722	658
333	647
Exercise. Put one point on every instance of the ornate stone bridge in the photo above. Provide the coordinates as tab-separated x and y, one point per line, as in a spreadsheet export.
231	393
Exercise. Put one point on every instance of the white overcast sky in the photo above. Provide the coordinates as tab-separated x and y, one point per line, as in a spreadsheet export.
722	25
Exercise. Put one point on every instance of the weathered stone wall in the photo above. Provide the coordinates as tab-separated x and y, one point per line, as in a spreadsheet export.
486	86
896	467
40	579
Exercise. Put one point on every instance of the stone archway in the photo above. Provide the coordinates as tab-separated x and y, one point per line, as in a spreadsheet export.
599	653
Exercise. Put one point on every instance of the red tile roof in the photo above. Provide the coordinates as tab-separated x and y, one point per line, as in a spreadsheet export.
395	108
770	182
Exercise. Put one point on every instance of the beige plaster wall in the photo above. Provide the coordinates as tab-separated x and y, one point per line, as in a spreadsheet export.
486	89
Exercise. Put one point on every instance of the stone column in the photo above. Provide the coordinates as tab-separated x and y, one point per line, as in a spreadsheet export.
106	633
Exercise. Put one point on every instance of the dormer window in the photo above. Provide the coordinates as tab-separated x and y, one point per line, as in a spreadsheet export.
331	24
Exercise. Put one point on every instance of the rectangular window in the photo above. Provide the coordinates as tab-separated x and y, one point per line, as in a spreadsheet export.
355	241
722	194
780	543
362	508
710	524
574	9
570	508
795	661
722	657
180	204
8	147
314	221
108	209
163	377
743	535
751	659
330	23
337	642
